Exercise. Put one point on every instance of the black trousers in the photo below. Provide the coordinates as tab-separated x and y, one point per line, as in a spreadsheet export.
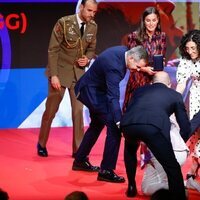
100	117
161	148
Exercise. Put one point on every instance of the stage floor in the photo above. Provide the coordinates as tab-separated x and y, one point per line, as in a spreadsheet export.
26	176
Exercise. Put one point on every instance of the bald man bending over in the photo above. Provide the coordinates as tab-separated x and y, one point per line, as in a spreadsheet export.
147	119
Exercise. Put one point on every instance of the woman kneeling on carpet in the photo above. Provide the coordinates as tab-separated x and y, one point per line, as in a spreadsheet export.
154	177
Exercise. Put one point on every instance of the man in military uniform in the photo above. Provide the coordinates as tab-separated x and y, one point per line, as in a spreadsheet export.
72	45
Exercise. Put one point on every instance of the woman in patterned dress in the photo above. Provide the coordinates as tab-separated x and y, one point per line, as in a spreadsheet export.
153	39
189	69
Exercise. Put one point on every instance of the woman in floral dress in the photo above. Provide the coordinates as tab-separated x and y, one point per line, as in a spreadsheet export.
153	39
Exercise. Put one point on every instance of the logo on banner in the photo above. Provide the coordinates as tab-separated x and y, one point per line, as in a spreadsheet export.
14	21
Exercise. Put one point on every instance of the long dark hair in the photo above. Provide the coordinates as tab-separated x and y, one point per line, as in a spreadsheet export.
194	36
142	29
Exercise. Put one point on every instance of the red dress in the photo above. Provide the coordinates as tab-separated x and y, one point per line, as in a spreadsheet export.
155	45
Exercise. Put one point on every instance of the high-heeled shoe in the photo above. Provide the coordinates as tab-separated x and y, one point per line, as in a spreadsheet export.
41	151
192	184
195	175
190	176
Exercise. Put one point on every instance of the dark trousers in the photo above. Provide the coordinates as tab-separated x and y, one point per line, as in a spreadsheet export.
161	148
99	119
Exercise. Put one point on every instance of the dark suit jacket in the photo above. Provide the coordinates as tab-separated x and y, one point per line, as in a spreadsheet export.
153	104
98	88
65	48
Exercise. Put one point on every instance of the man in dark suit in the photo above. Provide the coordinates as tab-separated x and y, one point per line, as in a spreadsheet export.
98	89
147	119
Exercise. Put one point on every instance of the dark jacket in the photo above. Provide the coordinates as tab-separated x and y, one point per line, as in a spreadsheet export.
98	88
153	105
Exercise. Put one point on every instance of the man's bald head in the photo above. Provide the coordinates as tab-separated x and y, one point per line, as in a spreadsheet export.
162	77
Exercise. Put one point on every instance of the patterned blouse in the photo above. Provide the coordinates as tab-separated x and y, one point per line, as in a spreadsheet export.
155	45
189	70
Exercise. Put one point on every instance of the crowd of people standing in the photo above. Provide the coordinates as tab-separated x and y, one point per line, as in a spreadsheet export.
148	105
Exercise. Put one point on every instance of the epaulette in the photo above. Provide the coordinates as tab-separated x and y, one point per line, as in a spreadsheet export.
67	18
93	22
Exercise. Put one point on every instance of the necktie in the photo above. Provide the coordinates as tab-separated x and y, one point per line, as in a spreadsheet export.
82	28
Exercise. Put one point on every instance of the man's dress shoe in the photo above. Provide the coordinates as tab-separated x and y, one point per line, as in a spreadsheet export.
110	176
84	166
131	191
41	151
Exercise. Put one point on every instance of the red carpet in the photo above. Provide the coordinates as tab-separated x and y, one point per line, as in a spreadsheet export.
25	176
